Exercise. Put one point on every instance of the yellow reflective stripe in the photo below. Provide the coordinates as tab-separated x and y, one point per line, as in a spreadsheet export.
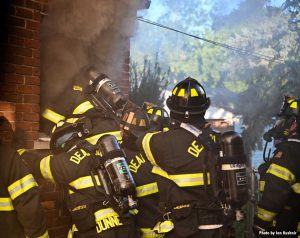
174	91
21	186
150	111
146	147
149	233
281	172
21	151
6	204
93	139
45	235
265	215
72	120
83	107
262	186
84	182
296	188
293	103
181	92
104	213
183	180
194	92
52	116
71	231
45	168
147	189
77	88
298	227
165	129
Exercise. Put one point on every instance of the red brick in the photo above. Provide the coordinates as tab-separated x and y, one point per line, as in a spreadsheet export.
35	126
37	16
26	107
35	44
35	108
36	53
13	97
32	80
33	117
36	71
15	21
31	98
28	89
24	70
36	35
29	144
14	78
31	61
32	25
21	51
19	116
27	126
22	33
9	87
18	2
22	12
32	135
34	5
7	106
10	116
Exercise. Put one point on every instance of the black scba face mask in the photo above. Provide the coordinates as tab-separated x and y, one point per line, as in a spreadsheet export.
281	128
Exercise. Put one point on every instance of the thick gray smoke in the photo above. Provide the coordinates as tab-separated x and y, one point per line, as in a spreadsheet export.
78	33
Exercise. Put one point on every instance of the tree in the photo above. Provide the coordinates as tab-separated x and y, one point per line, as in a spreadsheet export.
148	83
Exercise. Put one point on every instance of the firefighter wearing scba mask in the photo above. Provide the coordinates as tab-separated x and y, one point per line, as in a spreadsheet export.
158	116
21	213
134	124
100	99
279	208
180	158
93	209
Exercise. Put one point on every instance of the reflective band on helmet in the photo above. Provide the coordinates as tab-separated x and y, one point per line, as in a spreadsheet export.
147	189
296	188
265	215
45	168
83	107
6	204
21	186
84	182
93	139
52	116
104	213
183	180
103	81
146	147
281	172
262	186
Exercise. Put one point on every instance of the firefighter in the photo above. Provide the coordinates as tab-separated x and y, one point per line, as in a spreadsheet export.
135	123
180	158
21	213
279	208
159	118
92	213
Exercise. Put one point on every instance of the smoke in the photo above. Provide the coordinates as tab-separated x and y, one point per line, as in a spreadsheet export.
78	33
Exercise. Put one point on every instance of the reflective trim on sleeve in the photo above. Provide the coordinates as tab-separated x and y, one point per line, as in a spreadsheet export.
296	188
45	235
183	180
84	182
262	186
149	233
45	168
72	230
265	215
52	116
93	139
281	172
6	204
21	186
146	147
21	151
72	120
104	213
147	189
83	107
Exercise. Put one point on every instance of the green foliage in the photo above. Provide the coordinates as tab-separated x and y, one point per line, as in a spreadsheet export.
148	83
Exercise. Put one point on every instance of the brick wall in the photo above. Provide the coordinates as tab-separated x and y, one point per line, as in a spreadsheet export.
20	62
